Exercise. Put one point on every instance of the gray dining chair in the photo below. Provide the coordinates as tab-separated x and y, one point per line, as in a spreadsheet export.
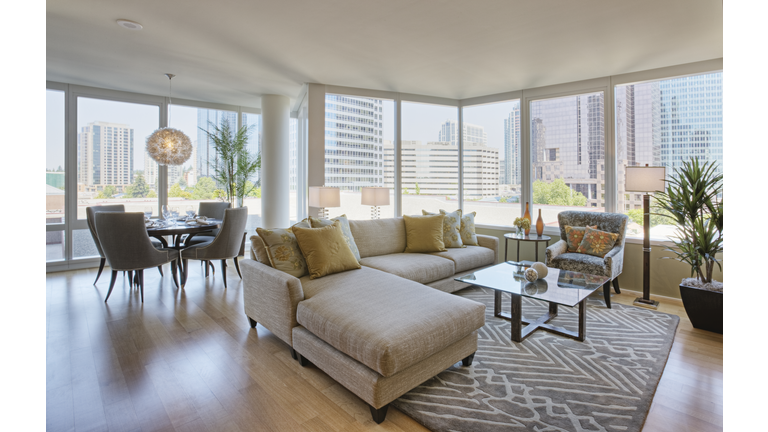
90	212
224	246
127	247
212	210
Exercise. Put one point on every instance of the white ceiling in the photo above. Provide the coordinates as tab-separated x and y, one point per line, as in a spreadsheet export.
233	51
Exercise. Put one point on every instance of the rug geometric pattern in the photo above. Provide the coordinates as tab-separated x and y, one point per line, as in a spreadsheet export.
550	382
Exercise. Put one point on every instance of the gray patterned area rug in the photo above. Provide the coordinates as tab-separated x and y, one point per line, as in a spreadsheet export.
550	382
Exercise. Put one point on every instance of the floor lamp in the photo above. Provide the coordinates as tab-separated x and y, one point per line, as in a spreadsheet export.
323	197
375	197
646	179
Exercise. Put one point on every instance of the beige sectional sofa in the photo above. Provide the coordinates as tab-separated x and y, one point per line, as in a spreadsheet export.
380	330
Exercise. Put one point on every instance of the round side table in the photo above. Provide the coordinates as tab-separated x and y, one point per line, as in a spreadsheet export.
532	238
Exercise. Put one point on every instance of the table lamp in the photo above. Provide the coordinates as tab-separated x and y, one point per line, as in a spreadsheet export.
646	179
324	197
375	197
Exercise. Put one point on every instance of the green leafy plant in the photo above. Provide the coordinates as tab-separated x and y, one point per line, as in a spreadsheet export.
693	200
234	164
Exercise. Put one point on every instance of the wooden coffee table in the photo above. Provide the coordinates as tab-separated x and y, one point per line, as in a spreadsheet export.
560	287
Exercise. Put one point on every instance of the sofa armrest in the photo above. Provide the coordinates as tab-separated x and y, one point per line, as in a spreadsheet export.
491	242
271	297
556	249
614	260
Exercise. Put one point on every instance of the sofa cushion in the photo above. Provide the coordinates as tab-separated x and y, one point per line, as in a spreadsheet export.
348	237
581	263
451	228
469	257
424	233
385	322
378	236
422	268
283	250
325	250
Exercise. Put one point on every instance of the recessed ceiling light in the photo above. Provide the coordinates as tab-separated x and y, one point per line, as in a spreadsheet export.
130	25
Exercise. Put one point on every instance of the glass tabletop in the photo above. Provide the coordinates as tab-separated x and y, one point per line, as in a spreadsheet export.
563	287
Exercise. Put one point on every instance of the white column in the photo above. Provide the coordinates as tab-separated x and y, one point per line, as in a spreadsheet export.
275	193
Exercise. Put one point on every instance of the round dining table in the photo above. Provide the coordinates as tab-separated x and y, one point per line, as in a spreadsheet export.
181	234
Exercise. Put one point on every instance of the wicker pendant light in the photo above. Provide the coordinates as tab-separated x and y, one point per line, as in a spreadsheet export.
168	146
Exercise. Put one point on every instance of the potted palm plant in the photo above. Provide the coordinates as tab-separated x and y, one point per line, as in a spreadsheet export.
234	165
693	199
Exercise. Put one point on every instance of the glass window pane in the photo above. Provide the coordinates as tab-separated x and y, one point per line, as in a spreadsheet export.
83	245
355	130
111	138
191	183
664	123
252	199
492	162
567	155
54	246
54	157
430	158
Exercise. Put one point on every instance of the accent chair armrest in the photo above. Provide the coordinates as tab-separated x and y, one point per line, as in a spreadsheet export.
614	260
271	297
556	249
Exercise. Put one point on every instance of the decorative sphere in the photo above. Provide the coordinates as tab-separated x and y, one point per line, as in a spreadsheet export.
531	274
168	146
541	269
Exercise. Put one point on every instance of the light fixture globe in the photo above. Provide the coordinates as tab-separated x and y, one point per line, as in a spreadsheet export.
168	146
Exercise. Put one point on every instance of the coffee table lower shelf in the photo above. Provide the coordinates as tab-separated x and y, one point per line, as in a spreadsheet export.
517	319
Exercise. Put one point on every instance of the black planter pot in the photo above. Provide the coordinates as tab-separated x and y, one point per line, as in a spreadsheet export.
704	308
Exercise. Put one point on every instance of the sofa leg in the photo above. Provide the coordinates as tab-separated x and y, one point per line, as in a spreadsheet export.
467	361
302	360
252	321
293	354
607	294
379	414
616	285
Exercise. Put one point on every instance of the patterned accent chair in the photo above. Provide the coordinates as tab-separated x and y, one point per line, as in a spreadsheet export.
610	265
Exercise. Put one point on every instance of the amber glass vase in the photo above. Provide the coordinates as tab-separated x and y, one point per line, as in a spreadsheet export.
527	215
539	225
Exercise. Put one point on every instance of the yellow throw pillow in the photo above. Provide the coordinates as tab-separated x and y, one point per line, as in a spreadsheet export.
282	249
325	250
319	223
451	225
597	243
424	234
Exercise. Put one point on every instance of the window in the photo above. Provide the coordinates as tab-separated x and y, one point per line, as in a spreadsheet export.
358	134
572	129
430	158
491	161
663	123
54	175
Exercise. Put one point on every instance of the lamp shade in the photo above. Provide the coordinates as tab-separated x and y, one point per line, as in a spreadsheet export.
375	196
323	197
645	179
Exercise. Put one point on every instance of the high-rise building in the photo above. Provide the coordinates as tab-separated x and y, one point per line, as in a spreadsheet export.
433	167
206	155
511	163
353	142
151	172
472	133
105	156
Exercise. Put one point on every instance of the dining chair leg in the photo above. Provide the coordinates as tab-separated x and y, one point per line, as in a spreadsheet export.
206	268
173	272
130	277
101	267
140	276
136	278
184	270
224	271
237	266
213	269
111	284
160	269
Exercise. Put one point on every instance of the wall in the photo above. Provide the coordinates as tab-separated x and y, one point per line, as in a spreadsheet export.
666	274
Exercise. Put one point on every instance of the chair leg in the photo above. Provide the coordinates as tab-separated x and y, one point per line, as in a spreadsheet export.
101	267
224	271
616	285
173	272
213	269
160	269
130	277
237	266
206	267
607	294
111	284
140	276
184	269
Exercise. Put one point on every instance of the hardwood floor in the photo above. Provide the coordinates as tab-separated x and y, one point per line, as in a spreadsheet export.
187	360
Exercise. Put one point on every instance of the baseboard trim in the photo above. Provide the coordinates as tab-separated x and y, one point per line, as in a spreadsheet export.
660	298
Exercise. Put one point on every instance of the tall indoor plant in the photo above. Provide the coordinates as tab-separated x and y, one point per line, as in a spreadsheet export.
694	199
234	165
